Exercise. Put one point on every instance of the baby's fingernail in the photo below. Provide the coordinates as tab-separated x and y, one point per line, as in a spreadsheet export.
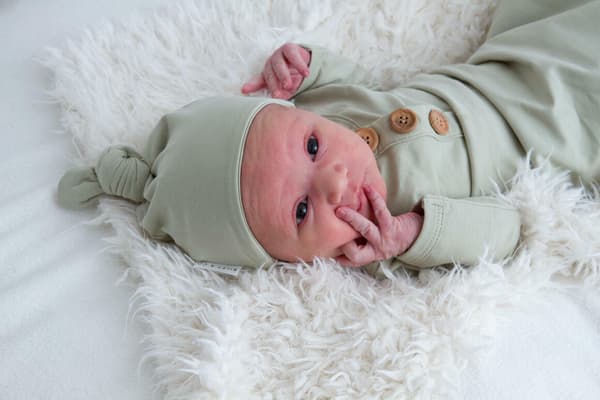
340	212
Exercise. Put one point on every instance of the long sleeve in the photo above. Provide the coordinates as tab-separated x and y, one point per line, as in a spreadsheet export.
459	230
327	68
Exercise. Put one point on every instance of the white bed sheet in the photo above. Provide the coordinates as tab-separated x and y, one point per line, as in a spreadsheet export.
64	327
64	331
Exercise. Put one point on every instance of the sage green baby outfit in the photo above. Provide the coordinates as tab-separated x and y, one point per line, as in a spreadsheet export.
443	140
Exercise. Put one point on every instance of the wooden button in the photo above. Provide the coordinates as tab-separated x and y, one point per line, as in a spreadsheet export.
403	120
438	122
370	136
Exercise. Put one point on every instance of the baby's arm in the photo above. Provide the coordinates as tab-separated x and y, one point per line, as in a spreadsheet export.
452	230
287	74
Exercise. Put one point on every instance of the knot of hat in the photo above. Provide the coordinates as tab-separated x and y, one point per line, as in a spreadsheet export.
120	171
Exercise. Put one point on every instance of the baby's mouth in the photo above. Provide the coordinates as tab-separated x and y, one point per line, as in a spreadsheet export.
361	202
358	205
364	207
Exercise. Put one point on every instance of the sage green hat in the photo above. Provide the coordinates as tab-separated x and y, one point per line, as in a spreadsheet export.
187	181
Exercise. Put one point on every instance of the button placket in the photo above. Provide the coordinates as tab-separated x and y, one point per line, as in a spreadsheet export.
388	137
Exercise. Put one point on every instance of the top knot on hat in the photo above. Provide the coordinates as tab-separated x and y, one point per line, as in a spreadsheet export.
120	171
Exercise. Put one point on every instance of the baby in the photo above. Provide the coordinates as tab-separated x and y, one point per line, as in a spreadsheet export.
331	166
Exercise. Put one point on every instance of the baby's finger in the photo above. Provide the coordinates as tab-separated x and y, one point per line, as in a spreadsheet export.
358	255
344	262
254	84
293	56
281	69
271	80
362	225
382	213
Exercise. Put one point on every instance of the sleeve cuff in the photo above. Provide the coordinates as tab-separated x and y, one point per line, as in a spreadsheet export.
316	61
457	230
327	68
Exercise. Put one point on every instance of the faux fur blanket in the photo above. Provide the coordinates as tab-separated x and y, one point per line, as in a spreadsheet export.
299	331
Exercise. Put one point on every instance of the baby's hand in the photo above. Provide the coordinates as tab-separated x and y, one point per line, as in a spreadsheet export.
283	73
391	236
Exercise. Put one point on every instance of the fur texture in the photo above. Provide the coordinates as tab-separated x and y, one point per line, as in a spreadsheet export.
298	331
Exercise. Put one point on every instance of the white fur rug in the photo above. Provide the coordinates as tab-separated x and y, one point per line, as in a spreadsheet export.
298	331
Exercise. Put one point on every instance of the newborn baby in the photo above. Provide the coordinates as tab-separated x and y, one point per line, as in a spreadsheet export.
332	166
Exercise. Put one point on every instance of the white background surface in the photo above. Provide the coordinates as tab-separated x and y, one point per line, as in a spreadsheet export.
63	321
64	326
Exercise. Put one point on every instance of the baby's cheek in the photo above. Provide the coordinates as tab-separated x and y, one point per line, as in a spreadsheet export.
346	232
334	234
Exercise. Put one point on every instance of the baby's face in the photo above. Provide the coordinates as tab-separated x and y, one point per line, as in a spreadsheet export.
297	169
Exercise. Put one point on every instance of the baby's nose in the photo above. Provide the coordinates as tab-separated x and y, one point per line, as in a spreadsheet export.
335	182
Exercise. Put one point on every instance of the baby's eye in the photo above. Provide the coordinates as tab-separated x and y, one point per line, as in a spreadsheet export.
312	146
301	211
